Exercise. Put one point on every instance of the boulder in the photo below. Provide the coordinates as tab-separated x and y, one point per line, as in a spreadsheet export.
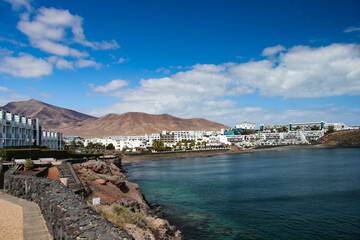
138	233
100	181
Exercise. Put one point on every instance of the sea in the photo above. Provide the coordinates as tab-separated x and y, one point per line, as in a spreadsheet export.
293	194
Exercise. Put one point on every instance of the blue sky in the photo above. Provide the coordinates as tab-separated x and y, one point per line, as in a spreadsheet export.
226	61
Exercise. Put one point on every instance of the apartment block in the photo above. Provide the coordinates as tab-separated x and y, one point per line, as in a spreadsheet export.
17	130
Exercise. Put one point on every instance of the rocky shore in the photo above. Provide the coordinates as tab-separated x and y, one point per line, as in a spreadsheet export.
348	138
131	159
122	202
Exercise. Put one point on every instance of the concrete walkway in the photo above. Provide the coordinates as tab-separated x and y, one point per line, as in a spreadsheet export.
21	219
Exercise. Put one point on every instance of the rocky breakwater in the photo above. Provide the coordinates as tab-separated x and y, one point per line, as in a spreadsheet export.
122	202
66	214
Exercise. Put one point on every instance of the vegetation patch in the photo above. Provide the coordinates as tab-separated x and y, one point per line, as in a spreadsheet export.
121	215
35	153
29	164
88	176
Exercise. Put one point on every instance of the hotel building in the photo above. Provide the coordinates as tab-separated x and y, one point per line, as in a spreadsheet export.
17	130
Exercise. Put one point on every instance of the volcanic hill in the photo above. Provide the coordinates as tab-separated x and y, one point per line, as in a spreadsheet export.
348	138
52	118
73	123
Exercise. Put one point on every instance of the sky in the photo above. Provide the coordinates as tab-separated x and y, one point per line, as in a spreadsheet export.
227	61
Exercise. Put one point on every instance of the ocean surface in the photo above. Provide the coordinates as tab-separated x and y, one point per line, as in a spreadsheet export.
295	194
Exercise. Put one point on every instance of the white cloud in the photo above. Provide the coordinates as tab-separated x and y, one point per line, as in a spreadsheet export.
198	90
273	50
122	60
40	94
62	64
56	21
305	72
20	5
207	90
352	29
12	97
163	70
25	66
4	89
5	52
87	63
113	85
53	30
20	44
103	45
48	31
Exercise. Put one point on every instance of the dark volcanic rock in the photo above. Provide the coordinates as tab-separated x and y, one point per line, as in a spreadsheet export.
105	180
67	216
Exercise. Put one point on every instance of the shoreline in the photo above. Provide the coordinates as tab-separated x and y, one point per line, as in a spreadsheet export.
127	160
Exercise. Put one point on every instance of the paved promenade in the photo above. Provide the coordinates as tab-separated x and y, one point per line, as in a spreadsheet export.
21	219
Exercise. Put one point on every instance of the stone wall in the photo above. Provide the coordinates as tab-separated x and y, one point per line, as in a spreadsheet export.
67	216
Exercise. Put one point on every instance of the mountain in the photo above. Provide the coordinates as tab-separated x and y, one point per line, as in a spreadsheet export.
134	123
52	118
73	123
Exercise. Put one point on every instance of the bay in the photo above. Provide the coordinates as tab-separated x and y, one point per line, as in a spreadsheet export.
295	194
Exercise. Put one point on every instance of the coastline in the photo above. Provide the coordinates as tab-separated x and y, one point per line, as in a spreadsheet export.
175	179
126	160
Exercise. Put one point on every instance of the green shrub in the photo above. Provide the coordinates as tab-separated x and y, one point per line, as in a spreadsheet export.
36	153
16	167
120	215
29	164
86	155
88	176
21	154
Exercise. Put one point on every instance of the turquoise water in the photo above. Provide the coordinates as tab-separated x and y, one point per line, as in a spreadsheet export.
297	194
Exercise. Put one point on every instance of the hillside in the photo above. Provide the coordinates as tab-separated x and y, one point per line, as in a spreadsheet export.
349	138
52	118
133	123
72	123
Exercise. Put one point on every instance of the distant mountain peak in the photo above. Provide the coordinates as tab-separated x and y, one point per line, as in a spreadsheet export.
52	117
70	122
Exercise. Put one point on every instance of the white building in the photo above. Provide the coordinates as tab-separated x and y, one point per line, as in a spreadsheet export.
51	140
187	135
17	130
69	139
246	125
102	141
337	126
